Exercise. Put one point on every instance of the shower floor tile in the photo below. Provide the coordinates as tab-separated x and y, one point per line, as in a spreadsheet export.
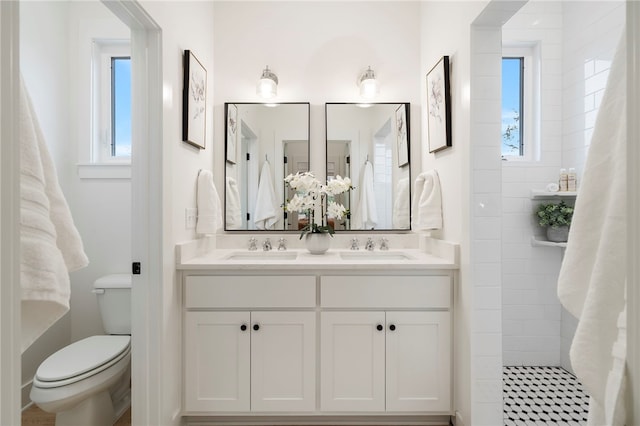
543	396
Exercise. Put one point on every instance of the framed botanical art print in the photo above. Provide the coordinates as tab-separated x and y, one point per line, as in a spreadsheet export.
439	106
194	101
232	132
401	135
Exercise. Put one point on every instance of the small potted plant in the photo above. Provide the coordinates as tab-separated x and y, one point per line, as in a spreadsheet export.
556	217
313	197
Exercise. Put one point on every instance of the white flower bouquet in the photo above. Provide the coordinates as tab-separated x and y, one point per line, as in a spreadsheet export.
311	195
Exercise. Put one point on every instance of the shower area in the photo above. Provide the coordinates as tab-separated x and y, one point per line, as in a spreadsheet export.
571	45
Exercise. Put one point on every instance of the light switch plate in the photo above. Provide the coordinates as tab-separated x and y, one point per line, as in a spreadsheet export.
190	217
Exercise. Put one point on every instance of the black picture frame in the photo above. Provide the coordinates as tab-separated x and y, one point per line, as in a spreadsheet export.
194	101
439	106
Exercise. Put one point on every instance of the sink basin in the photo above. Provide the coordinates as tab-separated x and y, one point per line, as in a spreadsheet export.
374	255
263	255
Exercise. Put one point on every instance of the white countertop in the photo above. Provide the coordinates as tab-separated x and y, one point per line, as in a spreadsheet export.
223	259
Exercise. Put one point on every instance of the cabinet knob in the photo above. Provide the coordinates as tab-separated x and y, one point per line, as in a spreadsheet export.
379	327
392	327
256	327
243	327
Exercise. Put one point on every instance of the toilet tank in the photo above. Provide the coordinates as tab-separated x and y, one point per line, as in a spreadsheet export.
114	301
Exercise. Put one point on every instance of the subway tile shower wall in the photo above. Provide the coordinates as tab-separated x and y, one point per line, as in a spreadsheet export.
577	42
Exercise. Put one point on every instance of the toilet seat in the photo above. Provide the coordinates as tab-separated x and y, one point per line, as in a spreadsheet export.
81	359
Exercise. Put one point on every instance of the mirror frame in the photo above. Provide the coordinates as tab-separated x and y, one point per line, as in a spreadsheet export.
407	106
225	162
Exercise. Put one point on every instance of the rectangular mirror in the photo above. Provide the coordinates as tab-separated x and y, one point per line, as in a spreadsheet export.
369	143
263	144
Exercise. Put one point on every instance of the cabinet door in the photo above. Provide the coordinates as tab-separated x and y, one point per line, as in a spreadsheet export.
283	358
216	361
419	361
352	361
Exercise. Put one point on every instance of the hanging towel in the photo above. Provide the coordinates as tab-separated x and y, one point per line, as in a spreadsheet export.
427	202
401	205
266	213
51	246
233	209
366	216
592	279
208	203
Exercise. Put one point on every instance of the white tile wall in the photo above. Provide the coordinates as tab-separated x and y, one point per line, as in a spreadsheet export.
591	34
530	335
577	43
486	252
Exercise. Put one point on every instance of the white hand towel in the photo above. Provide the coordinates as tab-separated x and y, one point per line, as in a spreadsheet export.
51	246
427	202
233	209
592	278
366	216
401	205
266	213
208	203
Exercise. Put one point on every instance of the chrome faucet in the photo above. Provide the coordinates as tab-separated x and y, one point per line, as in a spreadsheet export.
266	245
281	244
354	244
370	245
384	244
253	241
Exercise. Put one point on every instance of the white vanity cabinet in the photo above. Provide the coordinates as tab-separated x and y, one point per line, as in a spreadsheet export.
318	343
239	358
385	343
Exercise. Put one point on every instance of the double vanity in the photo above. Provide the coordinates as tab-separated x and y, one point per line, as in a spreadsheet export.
350	334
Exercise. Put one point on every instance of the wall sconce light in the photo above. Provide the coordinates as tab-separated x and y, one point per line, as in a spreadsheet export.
268	84
369	86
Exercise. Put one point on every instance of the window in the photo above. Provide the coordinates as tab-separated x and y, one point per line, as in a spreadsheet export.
520	68
512	97
111	123
121	107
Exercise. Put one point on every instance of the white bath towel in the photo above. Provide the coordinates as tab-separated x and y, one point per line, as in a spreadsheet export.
427	202
366	215
592	278
267	210
401	205
233	208
51	246
208	203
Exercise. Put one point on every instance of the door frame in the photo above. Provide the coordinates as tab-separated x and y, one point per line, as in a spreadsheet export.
10	352
147	236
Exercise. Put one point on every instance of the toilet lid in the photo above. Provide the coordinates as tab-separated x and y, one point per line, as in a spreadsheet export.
82	356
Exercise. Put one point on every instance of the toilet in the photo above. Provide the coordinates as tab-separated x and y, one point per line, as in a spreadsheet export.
88	382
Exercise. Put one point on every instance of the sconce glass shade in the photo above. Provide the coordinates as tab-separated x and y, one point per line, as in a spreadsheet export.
369	86
268	84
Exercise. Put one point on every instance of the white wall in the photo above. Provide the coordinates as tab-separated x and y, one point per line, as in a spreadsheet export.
440	36
318	50
101	207
577	41
531	310
185	26
591	31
